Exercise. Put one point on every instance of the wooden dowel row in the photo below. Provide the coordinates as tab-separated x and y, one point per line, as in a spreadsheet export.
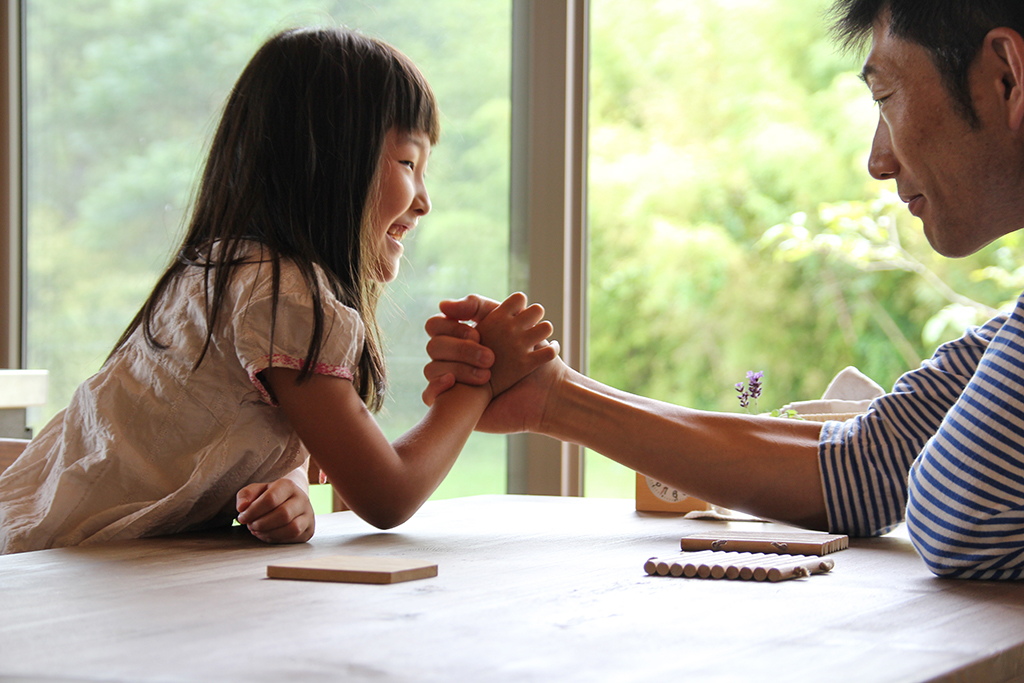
717	564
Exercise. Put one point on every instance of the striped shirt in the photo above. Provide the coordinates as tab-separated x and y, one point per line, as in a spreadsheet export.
944	451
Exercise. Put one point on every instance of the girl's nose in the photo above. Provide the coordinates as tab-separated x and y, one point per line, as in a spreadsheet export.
421	203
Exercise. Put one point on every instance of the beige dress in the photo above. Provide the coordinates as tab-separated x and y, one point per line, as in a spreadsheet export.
150	446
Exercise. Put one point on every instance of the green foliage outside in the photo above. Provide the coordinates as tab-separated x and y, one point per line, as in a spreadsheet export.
733	224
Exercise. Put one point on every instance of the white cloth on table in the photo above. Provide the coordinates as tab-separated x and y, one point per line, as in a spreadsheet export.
850	391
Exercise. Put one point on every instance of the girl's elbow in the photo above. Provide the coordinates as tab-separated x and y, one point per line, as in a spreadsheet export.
387	516
385	522
381	510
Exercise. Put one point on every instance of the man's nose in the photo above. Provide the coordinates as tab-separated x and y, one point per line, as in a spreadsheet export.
882	164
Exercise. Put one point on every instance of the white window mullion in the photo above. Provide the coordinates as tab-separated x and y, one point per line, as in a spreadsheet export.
548	207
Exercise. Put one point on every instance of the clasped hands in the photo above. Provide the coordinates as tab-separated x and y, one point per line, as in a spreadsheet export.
467	345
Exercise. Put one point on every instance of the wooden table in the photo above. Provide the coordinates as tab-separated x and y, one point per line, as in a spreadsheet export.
529	589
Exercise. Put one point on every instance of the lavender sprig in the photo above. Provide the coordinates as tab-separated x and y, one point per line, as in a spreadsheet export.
750	390
744	395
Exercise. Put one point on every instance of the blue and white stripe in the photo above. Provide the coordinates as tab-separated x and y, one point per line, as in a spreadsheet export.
945	451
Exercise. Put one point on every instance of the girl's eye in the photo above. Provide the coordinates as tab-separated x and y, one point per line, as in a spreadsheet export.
410	164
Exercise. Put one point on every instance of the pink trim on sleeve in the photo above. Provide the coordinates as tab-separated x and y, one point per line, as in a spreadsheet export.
279	360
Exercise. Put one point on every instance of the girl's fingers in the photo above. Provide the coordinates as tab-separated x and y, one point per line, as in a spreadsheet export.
436	387
283	527
281	514
263	498
450	350
277	517
245	498
538	333
473	307
467	374
544	354
441	326
531	315
513	305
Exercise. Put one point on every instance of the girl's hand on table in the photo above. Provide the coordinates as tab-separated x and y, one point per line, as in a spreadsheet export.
278	512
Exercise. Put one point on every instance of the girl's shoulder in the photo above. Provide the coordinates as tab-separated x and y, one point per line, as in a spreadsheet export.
253	295
253	279
283	326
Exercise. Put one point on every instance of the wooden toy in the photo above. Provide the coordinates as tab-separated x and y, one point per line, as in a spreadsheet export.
787	543
654	496
718	564
353	569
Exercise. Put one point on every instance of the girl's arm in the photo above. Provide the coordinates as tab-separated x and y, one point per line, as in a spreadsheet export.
385	483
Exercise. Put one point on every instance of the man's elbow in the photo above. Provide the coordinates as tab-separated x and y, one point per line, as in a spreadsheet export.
955	552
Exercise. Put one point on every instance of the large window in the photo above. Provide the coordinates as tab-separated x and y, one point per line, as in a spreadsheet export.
121	99
733	224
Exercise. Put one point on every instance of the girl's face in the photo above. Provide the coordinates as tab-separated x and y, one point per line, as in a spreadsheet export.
402	199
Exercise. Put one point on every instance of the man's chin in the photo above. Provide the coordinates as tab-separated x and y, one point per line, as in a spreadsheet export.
956	245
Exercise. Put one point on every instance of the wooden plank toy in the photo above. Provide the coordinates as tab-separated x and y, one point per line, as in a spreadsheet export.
718	564
786	543
654	496
353	569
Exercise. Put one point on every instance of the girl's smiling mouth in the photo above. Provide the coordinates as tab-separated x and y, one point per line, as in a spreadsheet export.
397	231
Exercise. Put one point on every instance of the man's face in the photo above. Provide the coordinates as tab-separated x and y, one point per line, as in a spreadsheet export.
953	177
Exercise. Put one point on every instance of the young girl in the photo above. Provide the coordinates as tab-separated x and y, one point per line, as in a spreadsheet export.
258	346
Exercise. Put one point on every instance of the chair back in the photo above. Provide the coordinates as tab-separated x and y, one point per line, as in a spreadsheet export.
10	449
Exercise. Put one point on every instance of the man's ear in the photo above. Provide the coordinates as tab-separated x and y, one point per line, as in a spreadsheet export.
1008	46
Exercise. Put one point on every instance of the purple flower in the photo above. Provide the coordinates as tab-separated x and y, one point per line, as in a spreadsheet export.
750	390
744	396
754	381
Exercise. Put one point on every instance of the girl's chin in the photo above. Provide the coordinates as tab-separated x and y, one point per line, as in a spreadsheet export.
386	272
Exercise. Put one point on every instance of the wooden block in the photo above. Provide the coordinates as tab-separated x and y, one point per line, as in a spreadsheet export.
353	569
787	543
653	496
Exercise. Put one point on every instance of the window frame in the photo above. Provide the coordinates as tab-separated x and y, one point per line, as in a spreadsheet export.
548	208
547	203
12	257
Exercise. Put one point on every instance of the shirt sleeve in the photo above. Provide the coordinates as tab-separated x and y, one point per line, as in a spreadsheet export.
965	510
865	462
265	337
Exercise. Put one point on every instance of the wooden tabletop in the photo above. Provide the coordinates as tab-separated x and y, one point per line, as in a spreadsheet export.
528	589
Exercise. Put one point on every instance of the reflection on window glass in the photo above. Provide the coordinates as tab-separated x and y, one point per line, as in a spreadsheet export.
121	99
733	224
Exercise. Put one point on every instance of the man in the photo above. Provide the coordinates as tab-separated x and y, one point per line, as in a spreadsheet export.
945	449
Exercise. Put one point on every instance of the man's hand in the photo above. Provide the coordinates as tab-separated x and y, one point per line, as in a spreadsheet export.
523	407
279	512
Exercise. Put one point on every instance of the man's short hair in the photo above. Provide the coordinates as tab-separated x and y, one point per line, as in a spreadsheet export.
952	31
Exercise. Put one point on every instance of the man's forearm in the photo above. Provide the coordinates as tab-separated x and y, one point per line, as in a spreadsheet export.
760	465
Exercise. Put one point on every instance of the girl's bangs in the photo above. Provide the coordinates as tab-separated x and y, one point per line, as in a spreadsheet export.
415	107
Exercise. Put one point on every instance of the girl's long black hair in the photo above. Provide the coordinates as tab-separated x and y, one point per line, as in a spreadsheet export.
293	165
